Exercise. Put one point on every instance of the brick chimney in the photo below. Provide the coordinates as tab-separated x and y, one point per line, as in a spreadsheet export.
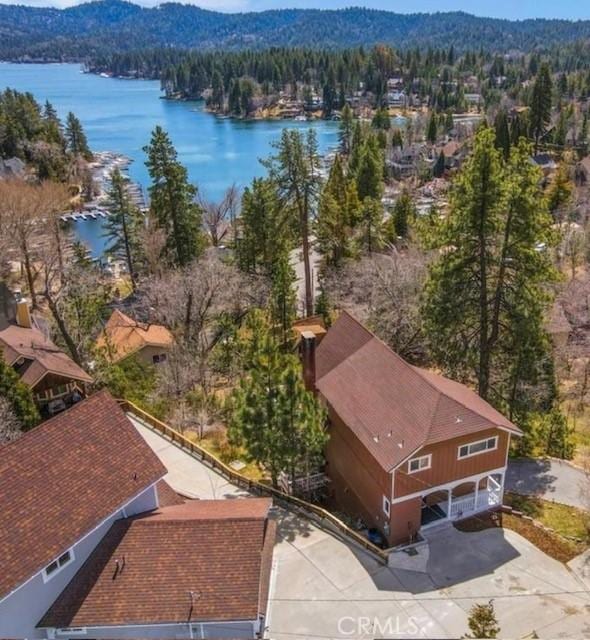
307	351
23	314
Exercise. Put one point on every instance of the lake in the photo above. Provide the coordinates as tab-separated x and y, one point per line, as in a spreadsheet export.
119	115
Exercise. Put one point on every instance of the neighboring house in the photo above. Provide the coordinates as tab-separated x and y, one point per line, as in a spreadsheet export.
396	99
545	162
123	337
454	154
95	544
408	448
55	379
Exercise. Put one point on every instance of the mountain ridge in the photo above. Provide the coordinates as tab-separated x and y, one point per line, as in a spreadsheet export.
81	31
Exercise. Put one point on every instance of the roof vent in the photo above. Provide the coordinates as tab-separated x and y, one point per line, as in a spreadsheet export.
376	438
458	420
401	444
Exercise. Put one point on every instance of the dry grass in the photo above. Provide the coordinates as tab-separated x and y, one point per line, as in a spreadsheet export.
217	444
552	544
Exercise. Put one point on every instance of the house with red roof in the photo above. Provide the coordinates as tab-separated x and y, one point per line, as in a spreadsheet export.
408	448
95	544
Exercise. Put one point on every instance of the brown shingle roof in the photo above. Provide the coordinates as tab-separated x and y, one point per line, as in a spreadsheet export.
391	406
220	550
16	342
63	478
123	336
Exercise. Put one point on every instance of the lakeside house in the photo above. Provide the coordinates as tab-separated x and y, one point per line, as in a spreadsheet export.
123	337
408	448
96	544
55	379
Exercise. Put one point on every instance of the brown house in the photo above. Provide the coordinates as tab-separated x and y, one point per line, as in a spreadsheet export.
123	337
55	379
408	448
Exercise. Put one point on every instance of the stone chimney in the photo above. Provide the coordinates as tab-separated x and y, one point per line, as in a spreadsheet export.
23	314
307	350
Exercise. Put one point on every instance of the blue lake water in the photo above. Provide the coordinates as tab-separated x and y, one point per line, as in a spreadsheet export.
119	115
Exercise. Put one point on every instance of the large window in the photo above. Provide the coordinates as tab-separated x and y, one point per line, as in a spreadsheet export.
420	464
57	565
475	448
386	506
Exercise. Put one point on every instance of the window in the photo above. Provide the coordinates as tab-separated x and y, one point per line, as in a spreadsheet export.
57	565
159	358
386	506
419	464
71	631
481	446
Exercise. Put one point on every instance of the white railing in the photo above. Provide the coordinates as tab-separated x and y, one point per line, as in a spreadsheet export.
461	505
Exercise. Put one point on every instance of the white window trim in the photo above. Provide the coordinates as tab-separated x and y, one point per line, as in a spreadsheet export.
429	465
477	453
71	631
386	506
48	576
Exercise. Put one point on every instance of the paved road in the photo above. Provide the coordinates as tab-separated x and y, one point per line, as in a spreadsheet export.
550	479
325	588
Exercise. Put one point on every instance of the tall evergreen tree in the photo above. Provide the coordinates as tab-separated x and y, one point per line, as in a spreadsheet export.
76	138
172	201
345	130
283	299
280	424
432	131
122	227
295	171
540	105
502	133
494	273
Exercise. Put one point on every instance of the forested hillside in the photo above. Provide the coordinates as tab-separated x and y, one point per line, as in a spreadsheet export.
113	25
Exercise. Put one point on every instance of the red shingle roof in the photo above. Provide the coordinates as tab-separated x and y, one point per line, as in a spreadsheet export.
63	478
391	406
219	550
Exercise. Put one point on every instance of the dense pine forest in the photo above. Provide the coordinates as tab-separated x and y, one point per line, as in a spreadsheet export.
112	25
241	83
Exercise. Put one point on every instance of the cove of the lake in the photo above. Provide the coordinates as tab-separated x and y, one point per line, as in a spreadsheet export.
119	115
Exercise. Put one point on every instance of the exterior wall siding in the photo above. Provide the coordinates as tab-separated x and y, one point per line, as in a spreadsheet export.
405	520
21	611
357	480
229	629
445	467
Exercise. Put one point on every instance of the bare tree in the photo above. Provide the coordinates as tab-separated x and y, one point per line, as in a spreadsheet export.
383	290
10	427
219	217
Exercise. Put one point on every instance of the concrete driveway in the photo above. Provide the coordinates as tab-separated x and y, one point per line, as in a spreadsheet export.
549	479
323	587
326	589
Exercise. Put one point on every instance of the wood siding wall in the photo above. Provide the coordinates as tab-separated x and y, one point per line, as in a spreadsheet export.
445	467
358	482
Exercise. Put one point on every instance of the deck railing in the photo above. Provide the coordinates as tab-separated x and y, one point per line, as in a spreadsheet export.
320	516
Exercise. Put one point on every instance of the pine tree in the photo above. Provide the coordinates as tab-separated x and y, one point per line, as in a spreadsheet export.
122	227
345	130
172	201
369	174
76	138
295	171
19	396
540	106
399	221
482	621
263	230
502	133
283	299
370	225
432	132
494	274
280	424
438	170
